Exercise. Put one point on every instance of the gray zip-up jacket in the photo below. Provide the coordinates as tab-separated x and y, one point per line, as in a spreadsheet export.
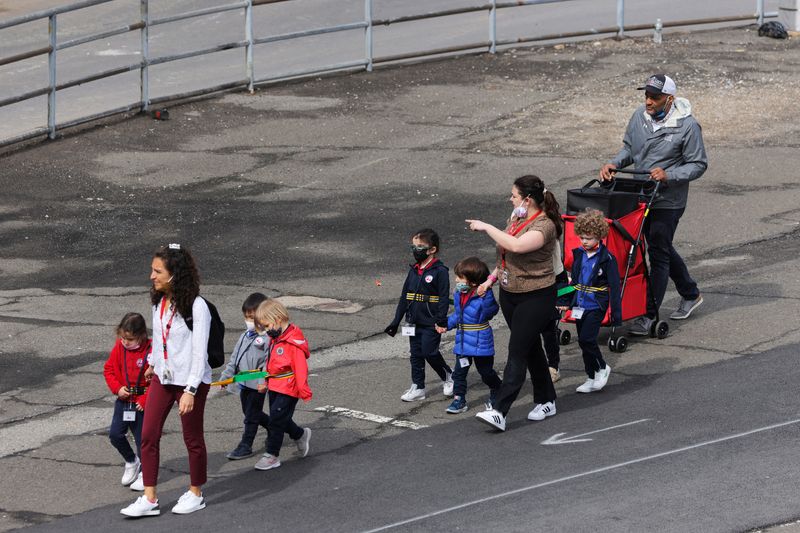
677	147
250	353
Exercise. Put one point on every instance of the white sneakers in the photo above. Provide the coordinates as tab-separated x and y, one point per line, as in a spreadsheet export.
493	417
541	411
599	381
303	442
267	462
414	393
189	503
141	507
138	485
447	385
131	471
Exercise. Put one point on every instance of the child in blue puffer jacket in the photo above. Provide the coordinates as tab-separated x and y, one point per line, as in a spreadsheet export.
474	337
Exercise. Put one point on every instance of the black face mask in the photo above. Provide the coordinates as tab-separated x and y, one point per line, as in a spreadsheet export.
274	333
420	255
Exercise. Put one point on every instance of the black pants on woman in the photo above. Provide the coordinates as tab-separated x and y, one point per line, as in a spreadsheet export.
527	314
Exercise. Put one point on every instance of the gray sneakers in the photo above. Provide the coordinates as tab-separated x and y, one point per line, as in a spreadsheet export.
267	462
641	326
303	442
685	308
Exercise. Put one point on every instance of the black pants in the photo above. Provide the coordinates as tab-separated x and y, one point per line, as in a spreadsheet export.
588	328
527	315
254	416
425	347
665	262
281	410
485	366
552	346
118	432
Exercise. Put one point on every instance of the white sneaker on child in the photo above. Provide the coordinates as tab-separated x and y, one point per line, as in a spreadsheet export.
189	503
413	394
267	462
141	507
587	385
138	485
303	442
601	378
448	385
131	471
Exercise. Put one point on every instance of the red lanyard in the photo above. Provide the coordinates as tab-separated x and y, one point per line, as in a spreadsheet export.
514	231
165	329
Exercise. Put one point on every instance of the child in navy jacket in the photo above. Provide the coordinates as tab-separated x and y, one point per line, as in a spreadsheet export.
423	304
474	337
596	278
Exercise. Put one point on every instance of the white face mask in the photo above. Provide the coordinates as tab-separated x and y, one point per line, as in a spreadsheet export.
250	325
520	212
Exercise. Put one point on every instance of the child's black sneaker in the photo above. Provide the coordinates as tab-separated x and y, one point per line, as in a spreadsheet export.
458	405
241	452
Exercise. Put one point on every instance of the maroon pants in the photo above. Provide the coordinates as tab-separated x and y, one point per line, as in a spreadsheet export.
160	399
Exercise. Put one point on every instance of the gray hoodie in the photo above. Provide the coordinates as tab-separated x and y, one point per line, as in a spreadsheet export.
677	147
250	353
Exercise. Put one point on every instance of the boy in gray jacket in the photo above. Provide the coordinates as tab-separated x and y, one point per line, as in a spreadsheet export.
664	138
249	353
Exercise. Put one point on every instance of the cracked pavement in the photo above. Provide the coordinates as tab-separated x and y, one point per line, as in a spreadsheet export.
309	191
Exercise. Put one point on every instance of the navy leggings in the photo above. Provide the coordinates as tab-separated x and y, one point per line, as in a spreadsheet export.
118	432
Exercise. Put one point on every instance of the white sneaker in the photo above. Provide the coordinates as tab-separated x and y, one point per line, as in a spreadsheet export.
447	385
492	417
267	462
542	411
138	485
587	385
601	378
189	503
302	442
131	471
141	507
413	394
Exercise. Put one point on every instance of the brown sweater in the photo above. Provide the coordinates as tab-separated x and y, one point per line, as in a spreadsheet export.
533	270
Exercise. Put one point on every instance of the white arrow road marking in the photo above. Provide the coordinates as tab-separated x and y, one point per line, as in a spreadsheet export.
360	415
556	439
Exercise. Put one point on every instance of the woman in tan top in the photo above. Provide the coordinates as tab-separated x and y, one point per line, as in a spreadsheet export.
527	295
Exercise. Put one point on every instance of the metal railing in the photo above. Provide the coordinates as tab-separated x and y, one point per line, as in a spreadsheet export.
250	41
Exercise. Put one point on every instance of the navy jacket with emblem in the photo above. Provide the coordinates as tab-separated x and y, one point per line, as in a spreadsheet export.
250	353
600	279
424	300
474	335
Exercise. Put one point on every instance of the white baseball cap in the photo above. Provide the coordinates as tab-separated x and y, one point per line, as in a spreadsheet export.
659	84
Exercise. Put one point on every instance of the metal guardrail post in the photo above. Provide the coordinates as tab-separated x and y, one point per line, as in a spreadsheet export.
493	27
144	77
248	51
760	11
620	17
368	33
52	32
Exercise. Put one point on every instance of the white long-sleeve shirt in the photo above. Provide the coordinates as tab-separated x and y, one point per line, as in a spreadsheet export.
187	350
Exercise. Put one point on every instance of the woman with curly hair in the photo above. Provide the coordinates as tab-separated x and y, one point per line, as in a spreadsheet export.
179	372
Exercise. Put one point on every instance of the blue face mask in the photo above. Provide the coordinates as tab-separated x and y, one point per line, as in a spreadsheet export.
462	287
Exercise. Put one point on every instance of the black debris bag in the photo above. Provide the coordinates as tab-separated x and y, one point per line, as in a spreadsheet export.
773	29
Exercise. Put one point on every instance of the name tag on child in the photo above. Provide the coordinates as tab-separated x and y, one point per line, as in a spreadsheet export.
577	312
409	330
463	362
129	414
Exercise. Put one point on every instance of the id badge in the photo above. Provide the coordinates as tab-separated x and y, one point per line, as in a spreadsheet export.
463	362
129	414
504	278
577	312
409	330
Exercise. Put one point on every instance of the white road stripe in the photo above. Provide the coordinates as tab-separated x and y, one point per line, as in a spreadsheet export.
582	474
370	417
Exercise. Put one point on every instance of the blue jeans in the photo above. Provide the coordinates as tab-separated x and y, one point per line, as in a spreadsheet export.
485	366
118	432
425	347
254	416
665	262
588	327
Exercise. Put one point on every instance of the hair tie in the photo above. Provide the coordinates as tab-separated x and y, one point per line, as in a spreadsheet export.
544	190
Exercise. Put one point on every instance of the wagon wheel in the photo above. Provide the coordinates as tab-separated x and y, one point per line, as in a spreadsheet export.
564	337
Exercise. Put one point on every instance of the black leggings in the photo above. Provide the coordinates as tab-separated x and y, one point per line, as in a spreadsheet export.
527	314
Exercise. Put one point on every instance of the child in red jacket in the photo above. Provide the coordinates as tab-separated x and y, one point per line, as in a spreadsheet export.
124	372
286	357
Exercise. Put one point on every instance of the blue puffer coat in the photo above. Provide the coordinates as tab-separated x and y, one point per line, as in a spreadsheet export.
474	336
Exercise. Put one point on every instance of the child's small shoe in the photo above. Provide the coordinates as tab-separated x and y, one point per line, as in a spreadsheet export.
413	394
241	452
448	385
303	442
131	471
588	385
138	485
267	462
555	375
459	405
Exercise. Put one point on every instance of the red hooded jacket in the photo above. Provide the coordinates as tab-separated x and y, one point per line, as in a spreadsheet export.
136	361
288	353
